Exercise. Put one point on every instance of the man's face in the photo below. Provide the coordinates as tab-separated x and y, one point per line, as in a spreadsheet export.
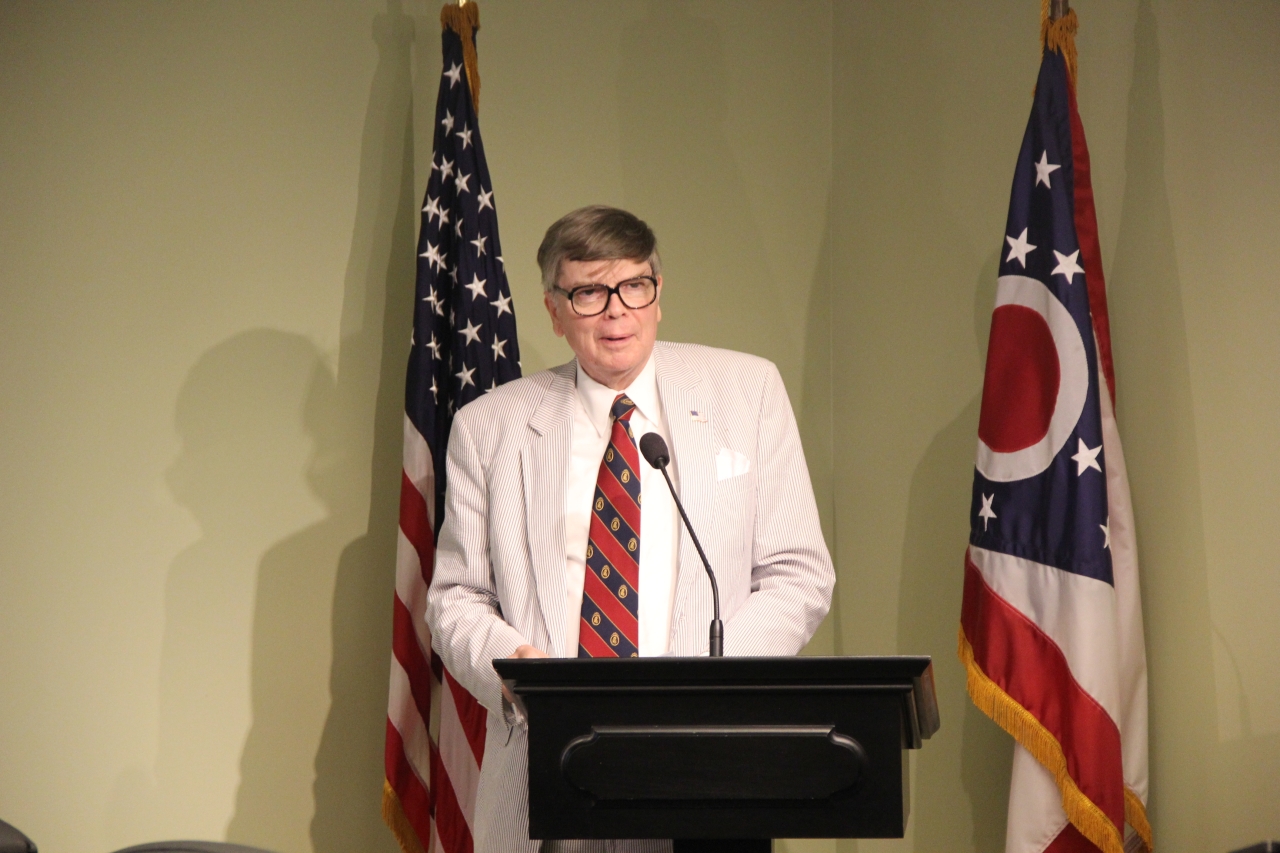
614	345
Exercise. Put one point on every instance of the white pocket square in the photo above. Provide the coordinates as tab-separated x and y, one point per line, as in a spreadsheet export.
731	463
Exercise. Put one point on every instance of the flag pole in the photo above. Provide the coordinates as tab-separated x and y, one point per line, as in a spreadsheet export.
1057	8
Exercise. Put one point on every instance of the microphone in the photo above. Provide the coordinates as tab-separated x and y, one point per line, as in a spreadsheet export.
655	453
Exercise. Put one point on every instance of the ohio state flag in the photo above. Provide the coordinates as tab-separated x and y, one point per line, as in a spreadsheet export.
1051	624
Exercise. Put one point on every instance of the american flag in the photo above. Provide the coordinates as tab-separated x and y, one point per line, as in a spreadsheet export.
463	345
1051	625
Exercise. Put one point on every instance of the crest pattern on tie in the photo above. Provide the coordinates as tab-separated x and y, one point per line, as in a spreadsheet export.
611	586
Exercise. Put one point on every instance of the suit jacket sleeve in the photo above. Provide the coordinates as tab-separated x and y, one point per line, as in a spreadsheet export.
792	576
467	628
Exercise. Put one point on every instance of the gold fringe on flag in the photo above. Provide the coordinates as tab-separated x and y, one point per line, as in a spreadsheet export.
1092	821
1060	35
393	816
465	21
1135	813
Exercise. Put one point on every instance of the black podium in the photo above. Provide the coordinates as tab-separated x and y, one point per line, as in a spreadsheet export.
722	748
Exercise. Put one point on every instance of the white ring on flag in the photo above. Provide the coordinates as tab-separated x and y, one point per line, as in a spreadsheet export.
1073	386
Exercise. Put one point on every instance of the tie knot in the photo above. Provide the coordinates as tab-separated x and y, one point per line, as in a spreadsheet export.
622	408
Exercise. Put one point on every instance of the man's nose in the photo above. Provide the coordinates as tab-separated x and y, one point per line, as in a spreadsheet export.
614	307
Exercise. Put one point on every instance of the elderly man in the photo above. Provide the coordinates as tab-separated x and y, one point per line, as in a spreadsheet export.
558	540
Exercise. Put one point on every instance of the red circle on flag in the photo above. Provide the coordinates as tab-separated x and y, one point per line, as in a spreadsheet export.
1021	384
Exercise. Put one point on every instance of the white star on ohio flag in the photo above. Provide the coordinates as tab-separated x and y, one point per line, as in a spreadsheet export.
1106	533
1067	265
986	513
454	74
1018	248
1086	457
1043	168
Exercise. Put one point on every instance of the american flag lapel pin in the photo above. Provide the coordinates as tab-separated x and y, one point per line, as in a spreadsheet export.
699	417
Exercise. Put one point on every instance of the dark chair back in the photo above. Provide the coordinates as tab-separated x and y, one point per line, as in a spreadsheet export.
191	847
12	841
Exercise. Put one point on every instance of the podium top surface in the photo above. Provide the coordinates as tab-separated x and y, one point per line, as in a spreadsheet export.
909	676
675	672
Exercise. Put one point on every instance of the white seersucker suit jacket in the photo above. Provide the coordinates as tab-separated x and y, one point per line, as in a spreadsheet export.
499	578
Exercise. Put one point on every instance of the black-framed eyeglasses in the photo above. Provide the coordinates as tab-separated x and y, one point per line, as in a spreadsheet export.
589	300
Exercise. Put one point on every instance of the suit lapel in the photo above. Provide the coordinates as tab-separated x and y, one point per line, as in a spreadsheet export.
686	406
545	460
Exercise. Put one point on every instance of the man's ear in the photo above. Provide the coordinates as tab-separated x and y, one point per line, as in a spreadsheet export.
549	300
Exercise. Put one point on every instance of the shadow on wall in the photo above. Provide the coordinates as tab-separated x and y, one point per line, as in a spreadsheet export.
311	781
813	414
288	676
1157	423
245	445
377	319
937	529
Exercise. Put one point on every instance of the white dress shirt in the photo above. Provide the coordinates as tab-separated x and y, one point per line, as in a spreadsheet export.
659	541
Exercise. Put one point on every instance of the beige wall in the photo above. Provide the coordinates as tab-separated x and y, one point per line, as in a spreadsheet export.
205	280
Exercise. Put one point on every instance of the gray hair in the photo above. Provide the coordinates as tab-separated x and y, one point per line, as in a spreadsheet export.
596	233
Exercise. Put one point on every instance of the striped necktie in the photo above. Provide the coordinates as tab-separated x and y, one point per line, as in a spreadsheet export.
611	585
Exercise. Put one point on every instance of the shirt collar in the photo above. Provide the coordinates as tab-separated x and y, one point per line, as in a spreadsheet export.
598	399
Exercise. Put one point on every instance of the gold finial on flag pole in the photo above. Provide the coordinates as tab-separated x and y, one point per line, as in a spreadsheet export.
1058	32
464	19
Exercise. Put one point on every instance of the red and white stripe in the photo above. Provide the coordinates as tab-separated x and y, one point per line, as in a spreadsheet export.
1043	636
431	782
